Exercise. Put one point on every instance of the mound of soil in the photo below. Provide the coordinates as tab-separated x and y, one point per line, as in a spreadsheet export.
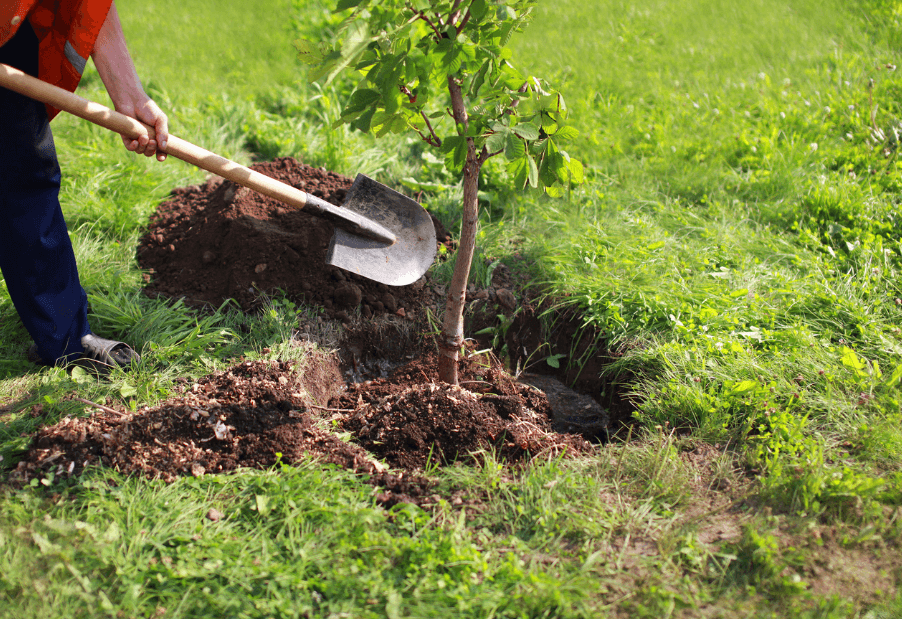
217	241
410	419
248	415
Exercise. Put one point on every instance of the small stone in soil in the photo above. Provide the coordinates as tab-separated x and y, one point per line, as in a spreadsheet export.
214	515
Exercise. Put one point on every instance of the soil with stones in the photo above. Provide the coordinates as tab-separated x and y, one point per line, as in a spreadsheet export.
216	241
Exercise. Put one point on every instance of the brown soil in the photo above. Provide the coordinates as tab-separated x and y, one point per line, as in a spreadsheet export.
257	414
215	241
410	418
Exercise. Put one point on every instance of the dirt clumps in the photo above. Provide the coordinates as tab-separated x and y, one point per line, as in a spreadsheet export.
217	241
257	414
253	415
410	419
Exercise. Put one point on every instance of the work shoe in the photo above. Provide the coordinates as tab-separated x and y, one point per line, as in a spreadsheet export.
100	355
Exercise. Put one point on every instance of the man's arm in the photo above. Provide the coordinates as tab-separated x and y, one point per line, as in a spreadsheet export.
116	69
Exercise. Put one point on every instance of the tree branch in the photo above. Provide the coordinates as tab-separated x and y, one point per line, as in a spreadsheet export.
463	22
436	141
105	409
432	139
422	15
485	155
458	109
455	13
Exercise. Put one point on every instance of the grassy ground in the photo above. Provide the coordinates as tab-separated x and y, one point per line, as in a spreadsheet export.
736	240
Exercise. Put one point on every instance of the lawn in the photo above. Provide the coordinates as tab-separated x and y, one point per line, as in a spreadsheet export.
733	257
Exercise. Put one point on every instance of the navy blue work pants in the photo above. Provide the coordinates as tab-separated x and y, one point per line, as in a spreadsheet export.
36	254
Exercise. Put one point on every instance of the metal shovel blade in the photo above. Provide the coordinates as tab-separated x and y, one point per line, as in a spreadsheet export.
396	264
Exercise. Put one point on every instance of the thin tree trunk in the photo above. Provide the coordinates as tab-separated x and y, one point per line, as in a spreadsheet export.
452	337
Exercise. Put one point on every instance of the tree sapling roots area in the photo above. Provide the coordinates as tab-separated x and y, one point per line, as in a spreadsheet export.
379	385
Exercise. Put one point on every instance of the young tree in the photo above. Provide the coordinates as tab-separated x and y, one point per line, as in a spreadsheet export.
442	69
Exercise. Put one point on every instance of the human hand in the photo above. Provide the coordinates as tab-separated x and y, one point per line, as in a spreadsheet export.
148	112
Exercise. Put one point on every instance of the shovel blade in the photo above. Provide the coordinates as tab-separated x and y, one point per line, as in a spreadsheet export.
395	264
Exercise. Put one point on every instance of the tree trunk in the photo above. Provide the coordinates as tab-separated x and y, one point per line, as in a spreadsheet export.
452	337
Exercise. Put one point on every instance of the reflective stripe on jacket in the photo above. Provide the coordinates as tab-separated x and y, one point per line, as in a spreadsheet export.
67	31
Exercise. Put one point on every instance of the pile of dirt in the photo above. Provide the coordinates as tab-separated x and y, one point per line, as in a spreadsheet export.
217	241
257	414
410	418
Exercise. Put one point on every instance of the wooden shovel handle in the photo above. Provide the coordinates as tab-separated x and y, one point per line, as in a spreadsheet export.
24	84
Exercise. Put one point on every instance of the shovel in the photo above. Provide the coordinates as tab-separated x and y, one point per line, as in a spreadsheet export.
380	234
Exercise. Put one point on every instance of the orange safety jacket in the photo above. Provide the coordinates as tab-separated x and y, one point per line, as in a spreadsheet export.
66	30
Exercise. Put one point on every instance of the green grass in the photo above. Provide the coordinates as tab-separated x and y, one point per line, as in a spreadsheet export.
737	237
741	227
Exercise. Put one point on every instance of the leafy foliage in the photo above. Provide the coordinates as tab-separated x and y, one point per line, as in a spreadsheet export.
412	57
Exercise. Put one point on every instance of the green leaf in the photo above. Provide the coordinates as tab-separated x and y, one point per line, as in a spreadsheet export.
393	604
364	121
261	502
113	533
127	390
527	131
308	52
344	5
851	360
520	171
479	80
507	31
361	99
477	9
456	148
533	172
400	123
743	387
393	100
577	174
567	133
80	375
549	124
895	377
554	360
553	165
451	142
497	141
453	61
514	148
358	39
379	122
